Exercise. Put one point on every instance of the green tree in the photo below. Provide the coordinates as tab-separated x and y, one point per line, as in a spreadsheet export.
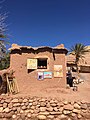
78	50
4	55
5	61
2	34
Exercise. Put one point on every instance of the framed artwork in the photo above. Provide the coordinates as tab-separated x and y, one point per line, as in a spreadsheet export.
40	75
32	64
58	71
47	74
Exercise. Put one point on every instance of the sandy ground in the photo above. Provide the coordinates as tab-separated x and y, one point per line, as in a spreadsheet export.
83	92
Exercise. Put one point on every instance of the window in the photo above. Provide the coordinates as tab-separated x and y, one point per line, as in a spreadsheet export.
42	63
37	63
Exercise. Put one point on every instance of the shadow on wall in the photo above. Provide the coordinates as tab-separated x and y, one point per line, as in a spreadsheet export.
3	86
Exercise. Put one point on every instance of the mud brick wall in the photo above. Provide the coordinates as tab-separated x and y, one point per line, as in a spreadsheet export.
34	108
28	80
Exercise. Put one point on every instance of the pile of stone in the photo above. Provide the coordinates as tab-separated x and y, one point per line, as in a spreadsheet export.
34	108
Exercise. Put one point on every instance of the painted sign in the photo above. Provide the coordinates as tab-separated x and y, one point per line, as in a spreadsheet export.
31	63
47	74
40	75
58	71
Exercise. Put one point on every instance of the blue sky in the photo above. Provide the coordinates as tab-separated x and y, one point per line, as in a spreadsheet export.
48	22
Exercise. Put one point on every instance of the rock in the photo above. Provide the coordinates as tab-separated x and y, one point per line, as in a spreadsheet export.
23	116
6	110
72	102
1	116
77	106
23	107
43	100
55	113
5	105
69	119
1	105
33	107
79	103
21	111
30	104
8	115
87	116
2	101
36	111
34	103
10	105
8	100
14	100
34	115
84	106
16	104
28	107
50	109
29	115
14	108
14	116
68	107
27	111
55	109
18	109
41	117
38	106
42	104
88	104
60	104
22	104
66	112
57	119
12	112
65	102
30	101
25	100
61	109
27	103
76	111
44	113
83	101
79	116
52	101
54	105
20	100
48	105
63	116
42	109
1	109
50	116
73	114
83	111
31	111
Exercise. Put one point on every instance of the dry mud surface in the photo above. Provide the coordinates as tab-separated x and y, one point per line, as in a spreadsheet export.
83	92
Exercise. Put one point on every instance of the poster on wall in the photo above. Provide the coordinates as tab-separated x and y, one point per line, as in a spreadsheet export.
40	75
31	63
47	74
58	71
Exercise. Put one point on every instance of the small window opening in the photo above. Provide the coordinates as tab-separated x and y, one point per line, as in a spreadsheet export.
42	63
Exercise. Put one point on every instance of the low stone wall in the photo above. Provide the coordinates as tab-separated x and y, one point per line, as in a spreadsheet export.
34	108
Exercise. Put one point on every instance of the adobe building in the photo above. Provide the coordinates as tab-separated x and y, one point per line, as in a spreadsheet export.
84	64
38	68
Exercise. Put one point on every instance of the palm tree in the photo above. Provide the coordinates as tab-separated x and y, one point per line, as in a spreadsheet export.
3	37
78	50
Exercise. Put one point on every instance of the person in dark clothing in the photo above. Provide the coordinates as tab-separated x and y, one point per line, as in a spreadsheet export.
69	79
0	80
